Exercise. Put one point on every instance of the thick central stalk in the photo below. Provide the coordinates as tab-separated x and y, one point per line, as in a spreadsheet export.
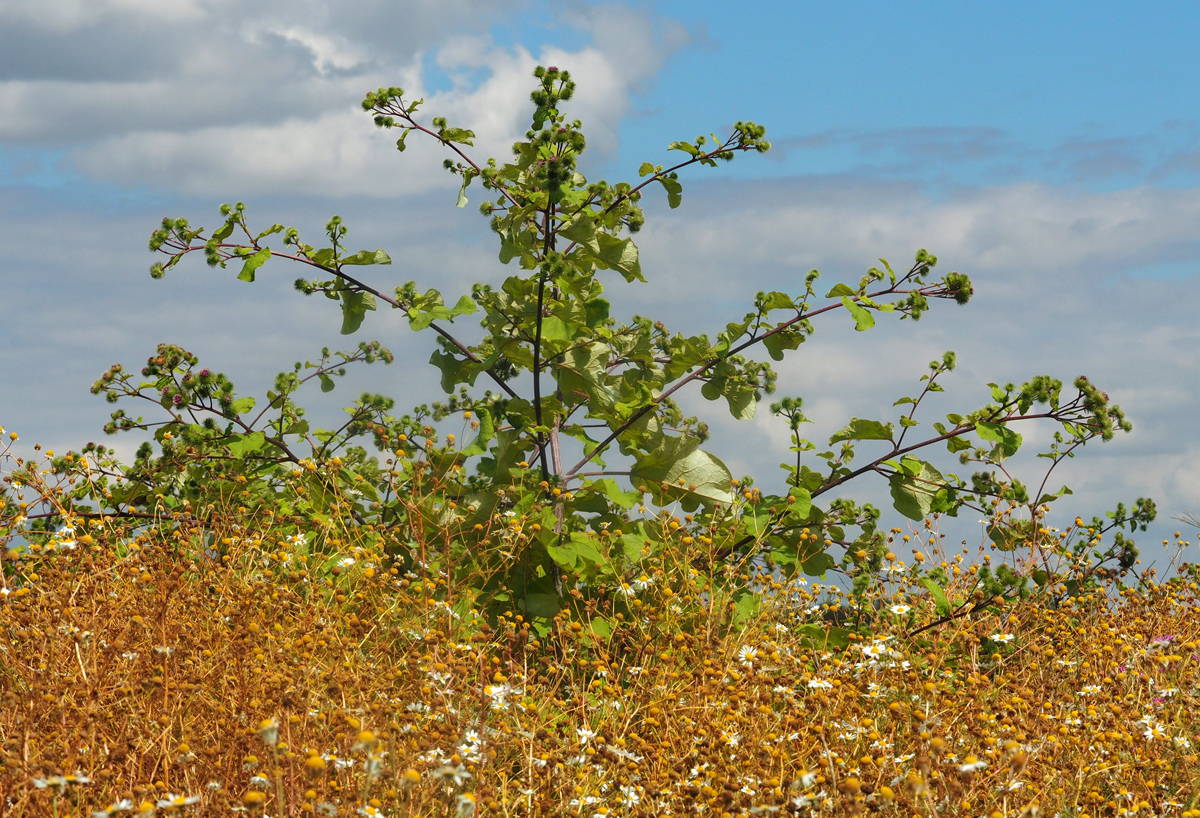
547	247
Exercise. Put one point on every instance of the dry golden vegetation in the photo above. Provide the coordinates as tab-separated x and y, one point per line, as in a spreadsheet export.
142	676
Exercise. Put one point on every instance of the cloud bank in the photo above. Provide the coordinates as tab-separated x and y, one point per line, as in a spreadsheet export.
206	98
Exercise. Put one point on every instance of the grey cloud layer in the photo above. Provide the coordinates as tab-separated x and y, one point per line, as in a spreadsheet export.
73	73
1054	296
222	99
992	155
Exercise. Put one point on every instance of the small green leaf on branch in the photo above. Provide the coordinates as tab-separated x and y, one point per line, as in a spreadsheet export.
863	320
859	429
367	257
252	263
1007	441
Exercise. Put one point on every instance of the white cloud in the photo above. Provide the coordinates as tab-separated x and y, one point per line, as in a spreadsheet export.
334	155
328	53
1015	233
338	152
72	74
61	16
1054	295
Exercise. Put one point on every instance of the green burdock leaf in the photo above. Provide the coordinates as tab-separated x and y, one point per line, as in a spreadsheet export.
580	554
252	263
1005	537
326	382
487	431
863	320
226	230
779	342
242	405
957	444
464	306
917	495
818	564
354	309
803	505
746	605
839	290
419	318
459	135
324	257
624	499
674	191
1007	441
741	397
1049	497
939	596
776	300
555	329
583	373
515	245
859	429
367	257
600	627
582	231
510	448
692	476
541	114
542	605
742	402
824	638
620	255
455	370
244	444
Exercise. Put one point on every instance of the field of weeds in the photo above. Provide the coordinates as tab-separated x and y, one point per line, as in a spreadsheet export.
142	677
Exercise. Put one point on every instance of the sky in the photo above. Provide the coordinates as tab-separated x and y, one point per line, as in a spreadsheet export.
1050	151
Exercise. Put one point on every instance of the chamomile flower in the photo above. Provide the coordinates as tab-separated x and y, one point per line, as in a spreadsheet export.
971	764
642	583
61	782
465	805
1153	731
456	775
173	802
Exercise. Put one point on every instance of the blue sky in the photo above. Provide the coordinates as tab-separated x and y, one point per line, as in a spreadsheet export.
1051	151
1087	94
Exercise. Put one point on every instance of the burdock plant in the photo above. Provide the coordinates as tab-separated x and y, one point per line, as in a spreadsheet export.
529	511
